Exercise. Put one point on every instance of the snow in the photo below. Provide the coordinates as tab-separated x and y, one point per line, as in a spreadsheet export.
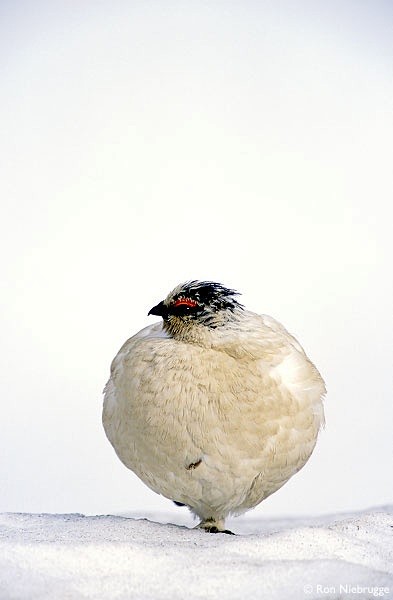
67	557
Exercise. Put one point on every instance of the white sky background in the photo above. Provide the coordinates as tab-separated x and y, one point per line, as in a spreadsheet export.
147	143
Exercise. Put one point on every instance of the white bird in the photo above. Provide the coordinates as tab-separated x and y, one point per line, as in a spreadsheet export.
214	407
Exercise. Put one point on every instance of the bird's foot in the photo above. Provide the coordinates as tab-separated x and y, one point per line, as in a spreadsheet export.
214	529
213	526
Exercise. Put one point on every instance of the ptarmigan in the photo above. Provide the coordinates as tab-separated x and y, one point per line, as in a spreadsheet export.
214	407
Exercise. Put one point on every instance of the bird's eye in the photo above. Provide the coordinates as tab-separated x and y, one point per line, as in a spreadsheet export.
184	306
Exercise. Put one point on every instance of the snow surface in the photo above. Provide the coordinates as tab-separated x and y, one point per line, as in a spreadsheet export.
67	557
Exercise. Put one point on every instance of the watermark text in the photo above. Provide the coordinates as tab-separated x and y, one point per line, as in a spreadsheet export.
372	590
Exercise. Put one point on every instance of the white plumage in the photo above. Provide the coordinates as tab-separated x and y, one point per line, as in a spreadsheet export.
215	407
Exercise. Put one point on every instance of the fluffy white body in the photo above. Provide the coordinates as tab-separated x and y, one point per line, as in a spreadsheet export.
215	418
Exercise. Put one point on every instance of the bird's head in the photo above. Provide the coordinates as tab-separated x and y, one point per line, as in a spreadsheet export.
197	303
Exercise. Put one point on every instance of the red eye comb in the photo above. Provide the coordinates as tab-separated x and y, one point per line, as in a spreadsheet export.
185	302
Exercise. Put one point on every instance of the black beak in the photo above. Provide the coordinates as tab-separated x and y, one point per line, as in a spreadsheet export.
160	310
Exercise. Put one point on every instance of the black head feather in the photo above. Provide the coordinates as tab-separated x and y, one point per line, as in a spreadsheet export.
208	294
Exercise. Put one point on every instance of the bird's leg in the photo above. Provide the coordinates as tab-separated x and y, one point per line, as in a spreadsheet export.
212	525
